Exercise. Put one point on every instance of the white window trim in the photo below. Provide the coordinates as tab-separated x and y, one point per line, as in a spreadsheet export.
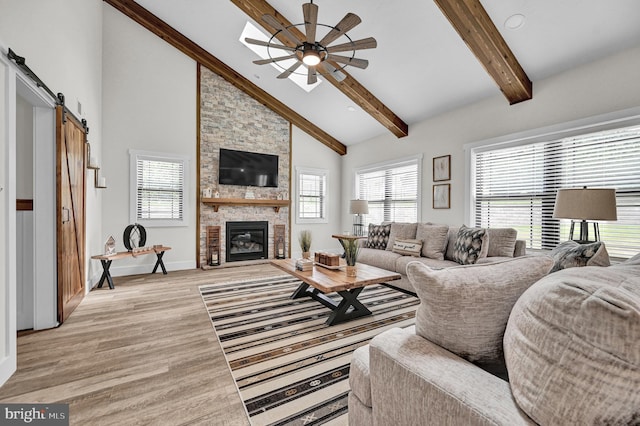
318	172
133	157
609	121
387	164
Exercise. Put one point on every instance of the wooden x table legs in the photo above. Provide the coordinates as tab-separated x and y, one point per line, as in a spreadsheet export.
106	264
106	275
347	309
159	263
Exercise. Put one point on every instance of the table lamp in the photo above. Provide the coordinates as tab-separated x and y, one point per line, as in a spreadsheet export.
358	208
586	204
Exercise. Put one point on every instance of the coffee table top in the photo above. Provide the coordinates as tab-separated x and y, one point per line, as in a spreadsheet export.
332	280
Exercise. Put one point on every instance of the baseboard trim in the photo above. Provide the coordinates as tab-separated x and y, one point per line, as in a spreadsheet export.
120	271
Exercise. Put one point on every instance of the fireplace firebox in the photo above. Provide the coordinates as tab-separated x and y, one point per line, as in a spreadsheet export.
247	240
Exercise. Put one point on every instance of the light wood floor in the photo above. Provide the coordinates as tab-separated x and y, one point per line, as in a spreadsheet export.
144	353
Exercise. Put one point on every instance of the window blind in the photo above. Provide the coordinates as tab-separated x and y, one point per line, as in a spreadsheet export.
311	189
159	189
392	192
516	186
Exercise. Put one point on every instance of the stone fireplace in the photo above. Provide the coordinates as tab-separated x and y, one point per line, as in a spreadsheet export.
247	240
231	119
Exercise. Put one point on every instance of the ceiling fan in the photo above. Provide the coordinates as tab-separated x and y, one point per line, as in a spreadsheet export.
318	56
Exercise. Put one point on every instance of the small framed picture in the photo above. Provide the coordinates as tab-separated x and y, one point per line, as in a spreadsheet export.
441	168
442	196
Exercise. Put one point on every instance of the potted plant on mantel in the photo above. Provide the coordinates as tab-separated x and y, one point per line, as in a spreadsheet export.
304	238
351	249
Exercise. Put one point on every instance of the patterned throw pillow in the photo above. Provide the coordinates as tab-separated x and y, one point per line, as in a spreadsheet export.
470	245
570	254
378	236
407	247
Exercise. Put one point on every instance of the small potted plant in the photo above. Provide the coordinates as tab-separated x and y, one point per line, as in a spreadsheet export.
351	250
305	243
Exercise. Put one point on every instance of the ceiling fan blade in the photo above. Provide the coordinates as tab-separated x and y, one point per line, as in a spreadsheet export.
349	21
310	12
365	43
290	70
267	44
358	63
312	77
269	19
268	61
329	69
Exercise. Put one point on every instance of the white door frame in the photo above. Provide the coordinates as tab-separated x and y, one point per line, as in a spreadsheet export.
44	209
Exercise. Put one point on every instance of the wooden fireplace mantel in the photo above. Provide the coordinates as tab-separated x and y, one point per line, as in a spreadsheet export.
217	202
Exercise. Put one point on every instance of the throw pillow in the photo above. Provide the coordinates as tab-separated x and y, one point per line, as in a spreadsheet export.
405	231
502	242
471	244
465	309
434	240
571	347
635	260
570	254
378	236
407	247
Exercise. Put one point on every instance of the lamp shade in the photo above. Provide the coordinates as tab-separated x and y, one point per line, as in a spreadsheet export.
586	204
359	207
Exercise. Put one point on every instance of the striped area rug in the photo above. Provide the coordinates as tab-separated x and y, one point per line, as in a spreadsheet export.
291	368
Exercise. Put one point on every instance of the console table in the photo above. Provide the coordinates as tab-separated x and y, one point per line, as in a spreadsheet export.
106	260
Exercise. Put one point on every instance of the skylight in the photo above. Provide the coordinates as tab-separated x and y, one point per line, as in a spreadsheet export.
251	31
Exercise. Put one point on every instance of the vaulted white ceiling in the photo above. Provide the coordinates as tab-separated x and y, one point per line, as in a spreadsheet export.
421	67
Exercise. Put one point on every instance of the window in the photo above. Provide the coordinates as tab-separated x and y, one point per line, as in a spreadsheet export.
516	186
312	195
158	189
392	189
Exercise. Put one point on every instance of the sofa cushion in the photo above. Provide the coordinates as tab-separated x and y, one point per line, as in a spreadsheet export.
470	245
359	376
379	258
407	247
402	262
465	308
405	231
572	347
570	254
502	242
378	236
434	239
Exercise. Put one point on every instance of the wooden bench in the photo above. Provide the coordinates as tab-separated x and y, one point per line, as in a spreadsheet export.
106	260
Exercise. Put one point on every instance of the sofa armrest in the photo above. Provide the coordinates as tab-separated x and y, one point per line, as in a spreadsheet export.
521	248
414	381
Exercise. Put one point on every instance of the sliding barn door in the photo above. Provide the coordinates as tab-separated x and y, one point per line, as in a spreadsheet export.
70	190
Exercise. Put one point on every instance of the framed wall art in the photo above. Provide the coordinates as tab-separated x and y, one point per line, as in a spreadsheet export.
442	196
441	168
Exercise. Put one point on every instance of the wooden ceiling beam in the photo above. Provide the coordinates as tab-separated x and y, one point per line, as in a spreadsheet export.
474	25
349	86
163	30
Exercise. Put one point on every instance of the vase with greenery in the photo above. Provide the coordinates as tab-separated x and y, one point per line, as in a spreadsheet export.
351	250
304	238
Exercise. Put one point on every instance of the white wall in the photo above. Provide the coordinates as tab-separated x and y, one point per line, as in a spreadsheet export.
62	43
308	152
24	149
597	88
149	104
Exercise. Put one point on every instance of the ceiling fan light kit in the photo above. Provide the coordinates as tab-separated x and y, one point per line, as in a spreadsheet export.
318	56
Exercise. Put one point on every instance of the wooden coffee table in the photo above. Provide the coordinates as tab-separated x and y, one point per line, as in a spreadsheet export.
320	281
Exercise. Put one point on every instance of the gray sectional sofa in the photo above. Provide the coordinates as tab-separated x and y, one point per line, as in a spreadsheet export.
437	247
570	341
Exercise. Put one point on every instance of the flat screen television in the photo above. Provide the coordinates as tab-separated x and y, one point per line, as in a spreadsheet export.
247	168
